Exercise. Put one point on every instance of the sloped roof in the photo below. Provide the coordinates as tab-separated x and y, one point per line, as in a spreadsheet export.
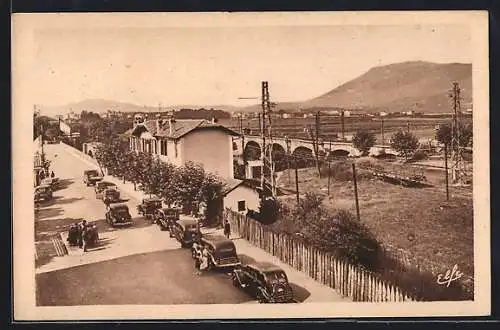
230	185
180	128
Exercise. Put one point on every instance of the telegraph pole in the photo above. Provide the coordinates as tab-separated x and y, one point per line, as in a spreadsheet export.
342	124
382	129
446	171
355	190
455	145
316	143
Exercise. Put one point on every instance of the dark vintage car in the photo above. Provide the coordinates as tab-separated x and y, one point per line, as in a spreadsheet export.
52	182
166	217
111	195
265	281
118	215
101	186
221	251
186	231
90	177
148	207
43	193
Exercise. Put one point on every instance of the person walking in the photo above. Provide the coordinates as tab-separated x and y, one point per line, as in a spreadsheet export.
227	228
81	230
52	175
197	259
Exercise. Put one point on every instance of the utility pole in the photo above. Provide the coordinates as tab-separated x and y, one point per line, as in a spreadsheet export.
355	190
296	181
329	168
342	124
408	126
287	141
262	125
457	167
316	142
382	129
446	171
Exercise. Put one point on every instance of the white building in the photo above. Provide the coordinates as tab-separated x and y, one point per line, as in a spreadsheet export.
241	196
179	141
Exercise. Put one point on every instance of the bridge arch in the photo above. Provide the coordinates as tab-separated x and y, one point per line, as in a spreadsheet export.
339	153
303	156
252	150
278	155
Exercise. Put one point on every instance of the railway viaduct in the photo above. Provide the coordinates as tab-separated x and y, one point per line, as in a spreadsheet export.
252	146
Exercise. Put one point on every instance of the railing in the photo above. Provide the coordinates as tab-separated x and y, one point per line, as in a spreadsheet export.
349	280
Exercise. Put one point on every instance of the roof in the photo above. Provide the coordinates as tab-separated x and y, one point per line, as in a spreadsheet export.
265	266
218	241
187	222
152	199
229	185
180	128
118	206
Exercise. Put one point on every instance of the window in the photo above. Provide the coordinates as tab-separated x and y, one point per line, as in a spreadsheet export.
163	147
241	206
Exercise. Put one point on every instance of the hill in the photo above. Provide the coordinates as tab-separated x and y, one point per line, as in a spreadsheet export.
418	86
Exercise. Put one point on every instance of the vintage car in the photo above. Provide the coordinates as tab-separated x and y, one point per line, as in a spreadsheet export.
166	217
148	207
90	177
221	251
43	193
52	182
118	215
186	231
265	281
111	195
101	186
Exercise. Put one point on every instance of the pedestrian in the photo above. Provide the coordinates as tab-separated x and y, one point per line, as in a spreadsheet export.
204	259
227	228
52	175
81	230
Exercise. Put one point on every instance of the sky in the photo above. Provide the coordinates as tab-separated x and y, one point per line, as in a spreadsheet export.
218	65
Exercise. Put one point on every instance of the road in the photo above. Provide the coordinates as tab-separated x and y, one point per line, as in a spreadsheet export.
137	265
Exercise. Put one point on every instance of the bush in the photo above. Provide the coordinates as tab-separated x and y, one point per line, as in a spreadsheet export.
419	155
347	238
268	213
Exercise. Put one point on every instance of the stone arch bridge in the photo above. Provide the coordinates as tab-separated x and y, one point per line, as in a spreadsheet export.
251	145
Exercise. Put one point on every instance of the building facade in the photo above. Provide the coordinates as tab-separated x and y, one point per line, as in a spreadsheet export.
179	141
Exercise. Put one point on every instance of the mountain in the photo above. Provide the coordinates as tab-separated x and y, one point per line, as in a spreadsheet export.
101	106
418	86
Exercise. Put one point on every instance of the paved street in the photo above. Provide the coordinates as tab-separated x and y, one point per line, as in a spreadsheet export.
136	265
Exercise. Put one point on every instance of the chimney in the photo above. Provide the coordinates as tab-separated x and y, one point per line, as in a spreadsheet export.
171	125
158	125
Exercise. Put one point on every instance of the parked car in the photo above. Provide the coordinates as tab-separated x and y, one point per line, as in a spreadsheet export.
52	182
265	281
221	251
101	186
90	177
111	195
186	231
118	215
148	207
43	193
166	217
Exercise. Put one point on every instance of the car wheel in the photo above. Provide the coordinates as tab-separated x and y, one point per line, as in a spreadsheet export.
235	281
260	298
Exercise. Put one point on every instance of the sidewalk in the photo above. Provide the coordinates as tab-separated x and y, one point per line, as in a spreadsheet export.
309	289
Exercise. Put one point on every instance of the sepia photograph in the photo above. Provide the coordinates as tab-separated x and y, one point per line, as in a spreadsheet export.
250	165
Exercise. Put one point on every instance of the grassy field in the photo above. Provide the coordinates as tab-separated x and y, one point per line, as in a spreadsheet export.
329	126
434	233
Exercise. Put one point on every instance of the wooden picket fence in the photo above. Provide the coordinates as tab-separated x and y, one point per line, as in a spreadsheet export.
347	279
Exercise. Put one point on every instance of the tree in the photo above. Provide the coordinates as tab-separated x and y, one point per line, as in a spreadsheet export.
364	140
405	143
444	135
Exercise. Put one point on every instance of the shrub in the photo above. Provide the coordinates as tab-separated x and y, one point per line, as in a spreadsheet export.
419	155
343	235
